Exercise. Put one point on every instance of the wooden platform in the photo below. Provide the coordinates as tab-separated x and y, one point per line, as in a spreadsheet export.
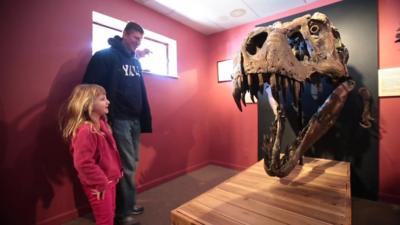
316	193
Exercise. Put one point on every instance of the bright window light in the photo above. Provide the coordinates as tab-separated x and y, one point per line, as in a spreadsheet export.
158	56
163	57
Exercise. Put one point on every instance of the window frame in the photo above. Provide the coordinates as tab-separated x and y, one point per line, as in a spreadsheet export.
119	25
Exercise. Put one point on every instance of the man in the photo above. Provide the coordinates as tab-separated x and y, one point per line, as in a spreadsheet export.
119	72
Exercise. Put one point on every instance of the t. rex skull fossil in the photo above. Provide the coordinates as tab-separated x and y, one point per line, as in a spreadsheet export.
286	55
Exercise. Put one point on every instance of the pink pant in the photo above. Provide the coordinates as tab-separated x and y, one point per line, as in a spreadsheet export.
104	209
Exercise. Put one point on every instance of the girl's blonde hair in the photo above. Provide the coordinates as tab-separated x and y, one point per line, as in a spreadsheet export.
78	108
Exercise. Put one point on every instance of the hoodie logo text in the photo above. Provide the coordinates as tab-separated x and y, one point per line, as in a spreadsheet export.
130	70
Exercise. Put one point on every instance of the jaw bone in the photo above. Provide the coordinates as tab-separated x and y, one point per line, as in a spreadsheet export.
322	120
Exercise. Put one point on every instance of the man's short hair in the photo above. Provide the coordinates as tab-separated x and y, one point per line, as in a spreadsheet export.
132	26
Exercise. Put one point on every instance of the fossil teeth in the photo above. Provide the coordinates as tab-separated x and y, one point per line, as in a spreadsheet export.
275	87
260	80
249	80
242	97
272	82
252	98
285	86
296	93
236	96
240	81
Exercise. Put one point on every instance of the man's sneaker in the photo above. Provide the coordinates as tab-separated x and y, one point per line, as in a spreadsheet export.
128	220
137	209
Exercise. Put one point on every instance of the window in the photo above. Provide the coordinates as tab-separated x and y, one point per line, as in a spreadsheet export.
161	61
157	61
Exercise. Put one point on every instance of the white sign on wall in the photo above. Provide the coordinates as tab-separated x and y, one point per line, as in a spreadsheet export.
389	82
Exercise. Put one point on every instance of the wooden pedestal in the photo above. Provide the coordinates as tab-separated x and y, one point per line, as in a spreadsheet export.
316	193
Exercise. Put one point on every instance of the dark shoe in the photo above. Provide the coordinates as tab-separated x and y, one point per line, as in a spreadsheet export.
137	209
129	220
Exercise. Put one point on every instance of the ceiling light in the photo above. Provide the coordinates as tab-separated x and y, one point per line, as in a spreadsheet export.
238	12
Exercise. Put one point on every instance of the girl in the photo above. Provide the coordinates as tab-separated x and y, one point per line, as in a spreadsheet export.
93	148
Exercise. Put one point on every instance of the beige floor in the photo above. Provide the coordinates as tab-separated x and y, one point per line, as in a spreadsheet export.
159	201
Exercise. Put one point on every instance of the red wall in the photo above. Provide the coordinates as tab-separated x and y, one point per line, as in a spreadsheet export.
46	46
389	145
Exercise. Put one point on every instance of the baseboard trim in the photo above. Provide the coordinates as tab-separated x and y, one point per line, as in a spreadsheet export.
390	198
65	216
228	165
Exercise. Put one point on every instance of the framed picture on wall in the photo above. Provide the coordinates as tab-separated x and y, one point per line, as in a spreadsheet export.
224	70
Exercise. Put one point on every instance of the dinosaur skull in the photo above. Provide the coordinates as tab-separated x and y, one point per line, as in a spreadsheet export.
297	51
286	55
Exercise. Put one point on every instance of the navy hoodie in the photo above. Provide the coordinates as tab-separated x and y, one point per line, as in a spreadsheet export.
120	73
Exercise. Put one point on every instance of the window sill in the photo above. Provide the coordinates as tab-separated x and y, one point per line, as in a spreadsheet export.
159	75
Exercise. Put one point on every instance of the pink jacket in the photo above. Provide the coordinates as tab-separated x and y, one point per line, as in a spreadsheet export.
95	156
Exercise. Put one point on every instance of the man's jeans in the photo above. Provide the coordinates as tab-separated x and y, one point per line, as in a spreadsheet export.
127	135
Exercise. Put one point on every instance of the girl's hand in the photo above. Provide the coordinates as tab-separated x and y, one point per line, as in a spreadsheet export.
99	194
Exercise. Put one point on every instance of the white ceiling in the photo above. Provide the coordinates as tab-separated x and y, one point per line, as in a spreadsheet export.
211	16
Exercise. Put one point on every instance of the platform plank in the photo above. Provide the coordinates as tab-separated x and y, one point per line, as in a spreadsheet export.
316	193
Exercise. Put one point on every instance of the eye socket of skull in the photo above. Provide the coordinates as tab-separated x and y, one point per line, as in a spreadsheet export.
341	49
315	27
298	45
255	42
335	33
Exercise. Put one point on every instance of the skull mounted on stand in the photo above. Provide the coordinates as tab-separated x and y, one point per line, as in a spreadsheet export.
286	56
